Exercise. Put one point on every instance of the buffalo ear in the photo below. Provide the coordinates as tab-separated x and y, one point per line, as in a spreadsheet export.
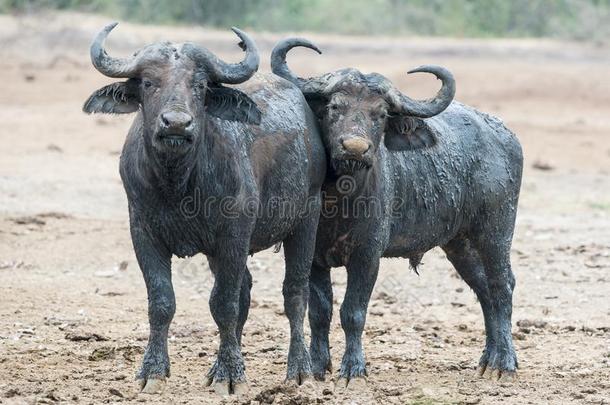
408	133
232	105
116	98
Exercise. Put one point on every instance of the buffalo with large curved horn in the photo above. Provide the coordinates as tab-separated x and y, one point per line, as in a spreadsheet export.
421	174
194	146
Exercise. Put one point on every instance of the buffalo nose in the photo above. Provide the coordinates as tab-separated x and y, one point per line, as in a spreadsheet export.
357	146
176	119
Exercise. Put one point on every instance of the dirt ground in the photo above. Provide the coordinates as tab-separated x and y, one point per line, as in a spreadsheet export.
73	317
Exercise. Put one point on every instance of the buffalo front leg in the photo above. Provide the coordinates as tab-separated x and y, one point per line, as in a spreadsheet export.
362	272
320	316
227	375
155	264
244	304
298	253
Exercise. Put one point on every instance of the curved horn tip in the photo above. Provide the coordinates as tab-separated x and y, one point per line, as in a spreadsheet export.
306	44
111	26
315	48
97	46
434	69
245	39
420	69
238	32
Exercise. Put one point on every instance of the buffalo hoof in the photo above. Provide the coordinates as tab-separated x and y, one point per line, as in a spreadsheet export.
225	382
299	366
353	367
320	367
299	379
495	374
225	388
152	376
350	384
152	385
498	365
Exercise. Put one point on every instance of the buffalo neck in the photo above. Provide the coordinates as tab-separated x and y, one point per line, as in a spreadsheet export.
170	172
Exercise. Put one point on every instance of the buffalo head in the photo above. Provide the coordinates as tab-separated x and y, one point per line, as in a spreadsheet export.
359	110
175	86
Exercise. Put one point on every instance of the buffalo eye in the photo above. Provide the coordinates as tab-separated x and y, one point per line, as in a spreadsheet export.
147	83
376	116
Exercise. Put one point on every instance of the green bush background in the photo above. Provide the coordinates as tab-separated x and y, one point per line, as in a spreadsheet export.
574	19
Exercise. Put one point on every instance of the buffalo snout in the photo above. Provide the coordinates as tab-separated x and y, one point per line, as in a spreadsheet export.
175	121
356	146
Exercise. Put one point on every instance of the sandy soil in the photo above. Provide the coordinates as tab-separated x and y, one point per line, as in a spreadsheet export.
73	320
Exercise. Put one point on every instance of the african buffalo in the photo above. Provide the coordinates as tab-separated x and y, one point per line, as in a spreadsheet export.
430	173
200	165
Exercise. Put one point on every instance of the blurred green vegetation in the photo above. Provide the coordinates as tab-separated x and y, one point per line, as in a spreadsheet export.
575	19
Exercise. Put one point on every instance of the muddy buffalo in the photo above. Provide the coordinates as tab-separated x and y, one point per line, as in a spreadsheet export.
407	176
200	161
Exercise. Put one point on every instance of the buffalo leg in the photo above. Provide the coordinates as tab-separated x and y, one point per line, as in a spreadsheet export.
469	266
244	304
227	375
502	359
155	265
493	244
361	276
298	251
320	315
